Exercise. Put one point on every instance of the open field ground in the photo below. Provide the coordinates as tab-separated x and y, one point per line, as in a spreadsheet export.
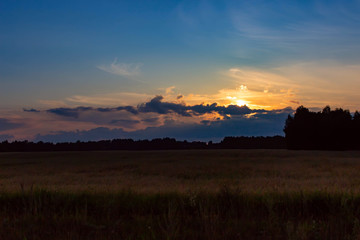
219	194
183	171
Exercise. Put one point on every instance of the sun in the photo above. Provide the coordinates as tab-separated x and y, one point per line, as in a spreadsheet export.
240	102
236	101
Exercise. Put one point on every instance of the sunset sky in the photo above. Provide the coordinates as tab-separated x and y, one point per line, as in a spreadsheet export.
196	70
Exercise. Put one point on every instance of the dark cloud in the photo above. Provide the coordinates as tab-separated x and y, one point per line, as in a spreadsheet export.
151	120
130	109
261	124
156	105
179	97
30	110
5	124
124	122
296	102
206	122
69	112
75	112
222	110
95	134
234	121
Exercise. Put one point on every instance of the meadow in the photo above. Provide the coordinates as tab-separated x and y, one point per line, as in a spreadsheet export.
198	194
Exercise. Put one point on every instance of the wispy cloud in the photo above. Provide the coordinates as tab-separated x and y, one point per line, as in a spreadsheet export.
122	69
301	29
6	124
109	99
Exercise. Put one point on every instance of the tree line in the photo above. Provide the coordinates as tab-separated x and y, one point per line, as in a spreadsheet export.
325	130
155	144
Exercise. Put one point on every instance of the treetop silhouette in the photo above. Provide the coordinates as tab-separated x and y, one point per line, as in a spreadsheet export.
325	130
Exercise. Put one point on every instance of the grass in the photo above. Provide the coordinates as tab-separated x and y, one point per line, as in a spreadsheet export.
40	214
220	194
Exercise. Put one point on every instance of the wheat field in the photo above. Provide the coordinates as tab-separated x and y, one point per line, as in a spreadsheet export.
170	195
183	171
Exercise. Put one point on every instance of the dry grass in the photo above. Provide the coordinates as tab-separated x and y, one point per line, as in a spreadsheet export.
183	171
219	194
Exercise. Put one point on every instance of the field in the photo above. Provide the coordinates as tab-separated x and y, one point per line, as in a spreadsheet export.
210	194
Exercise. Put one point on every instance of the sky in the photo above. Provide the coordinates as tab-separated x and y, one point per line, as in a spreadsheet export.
195	70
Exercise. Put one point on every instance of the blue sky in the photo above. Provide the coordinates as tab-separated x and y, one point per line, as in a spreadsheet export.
265	54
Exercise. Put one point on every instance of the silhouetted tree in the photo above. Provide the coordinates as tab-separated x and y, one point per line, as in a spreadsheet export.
328	129
355	137
155	144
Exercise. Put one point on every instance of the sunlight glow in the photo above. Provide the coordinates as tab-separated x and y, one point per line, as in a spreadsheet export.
236	101
240	102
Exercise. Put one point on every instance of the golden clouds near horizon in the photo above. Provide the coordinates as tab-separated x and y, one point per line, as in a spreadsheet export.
239	98
312	84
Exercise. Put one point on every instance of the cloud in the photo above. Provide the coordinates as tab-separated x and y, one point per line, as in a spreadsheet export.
305	28
75	112
313	83
95	134
124	122
151	120
69	112
130	109
157	105
6	124
30	110
296	102
222	110
269	124
169	90
156	118
110	99
122	69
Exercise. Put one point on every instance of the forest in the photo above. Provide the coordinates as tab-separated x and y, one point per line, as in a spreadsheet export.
154	144
325	130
